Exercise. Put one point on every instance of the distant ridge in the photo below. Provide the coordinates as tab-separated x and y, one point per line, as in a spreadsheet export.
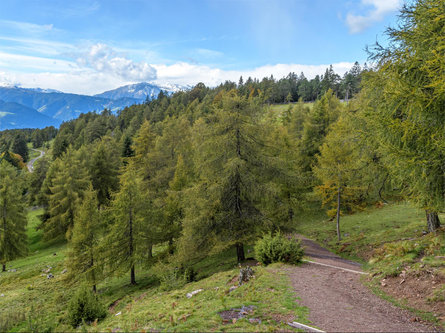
141	91
36	107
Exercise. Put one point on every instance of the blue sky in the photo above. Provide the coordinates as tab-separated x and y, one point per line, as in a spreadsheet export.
91	46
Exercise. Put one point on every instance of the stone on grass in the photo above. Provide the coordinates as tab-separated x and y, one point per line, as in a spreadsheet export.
190	295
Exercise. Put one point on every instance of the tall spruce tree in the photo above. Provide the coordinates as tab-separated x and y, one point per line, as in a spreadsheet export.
13	238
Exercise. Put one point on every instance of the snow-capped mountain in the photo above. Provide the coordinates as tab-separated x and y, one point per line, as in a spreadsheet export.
141	91
33	107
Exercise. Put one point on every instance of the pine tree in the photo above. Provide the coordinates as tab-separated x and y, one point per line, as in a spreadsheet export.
13	238
83	256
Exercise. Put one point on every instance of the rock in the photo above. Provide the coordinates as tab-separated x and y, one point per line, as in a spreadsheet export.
245	275
118	314
46	270
190	295
232	288
64	271
402	281
13	270
2	295
50	276
255	321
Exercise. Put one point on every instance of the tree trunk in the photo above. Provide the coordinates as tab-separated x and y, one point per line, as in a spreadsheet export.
381	188
240	252
94	289
170	246
132	276
338	214
3	267
432	220
150	251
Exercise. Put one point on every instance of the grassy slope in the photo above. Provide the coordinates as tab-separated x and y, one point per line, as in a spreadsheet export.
31	301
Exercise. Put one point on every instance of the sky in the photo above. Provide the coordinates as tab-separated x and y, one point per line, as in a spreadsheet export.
88	46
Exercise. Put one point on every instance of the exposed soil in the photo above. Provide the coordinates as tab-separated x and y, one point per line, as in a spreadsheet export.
417	290
339	302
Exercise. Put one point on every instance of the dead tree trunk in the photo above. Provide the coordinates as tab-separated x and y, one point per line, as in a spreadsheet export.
338	213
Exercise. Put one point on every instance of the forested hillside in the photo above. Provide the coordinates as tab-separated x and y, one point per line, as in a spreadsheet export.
162	186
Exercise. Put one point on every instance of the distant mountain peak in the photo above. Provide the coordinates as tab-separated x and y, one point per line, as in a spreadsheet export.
141	90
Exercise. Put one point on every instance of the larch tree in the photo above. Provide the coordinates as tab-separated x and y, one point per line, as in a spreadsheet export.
338	165
125	244
103	168
13	221
223	207
66	192
83	255
406	98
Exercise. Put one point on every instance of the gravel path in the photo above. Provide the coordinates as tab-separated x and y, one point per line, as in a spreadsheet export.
30	164
339	302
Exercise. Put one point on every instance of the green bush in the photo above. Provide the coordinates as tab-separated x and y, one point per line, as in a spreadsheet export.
278	248
84	306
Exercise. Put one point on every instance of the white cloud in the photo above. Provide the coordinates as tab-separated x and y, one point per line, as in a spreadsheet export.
104	59
27	27
358	23
190	74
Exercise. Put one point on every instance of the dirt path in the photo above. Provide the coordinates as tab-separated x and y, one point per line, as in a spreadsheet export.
31	163
339	302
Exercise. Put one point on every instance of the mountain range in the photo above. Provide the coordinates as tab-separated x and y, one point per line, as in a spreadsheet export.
38	108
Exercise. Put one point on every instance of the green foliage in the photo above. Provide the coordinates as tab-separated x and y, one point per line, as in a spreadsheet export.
66	181
125	243
84	306
278	248
20	147
13	240
404	99
83	257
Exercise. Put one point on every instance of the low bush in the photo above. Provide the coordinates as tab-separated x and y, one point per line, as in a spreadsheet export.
85	307
278	248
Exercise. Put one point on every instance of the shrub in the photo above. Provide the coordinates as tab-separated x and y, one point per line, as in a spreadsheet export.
84	306
277	248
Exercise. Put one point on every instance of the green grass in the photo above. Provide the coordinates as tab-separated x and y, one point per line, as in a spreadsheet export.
365	231
33	302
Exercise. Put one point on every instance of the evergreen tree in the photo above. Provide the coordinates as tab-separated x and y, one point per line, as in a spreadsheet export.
13	238
324	112
83	256
20	147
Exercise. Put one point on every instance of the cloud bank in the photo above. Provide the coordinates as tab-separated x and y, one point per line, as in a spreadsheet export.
359	23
